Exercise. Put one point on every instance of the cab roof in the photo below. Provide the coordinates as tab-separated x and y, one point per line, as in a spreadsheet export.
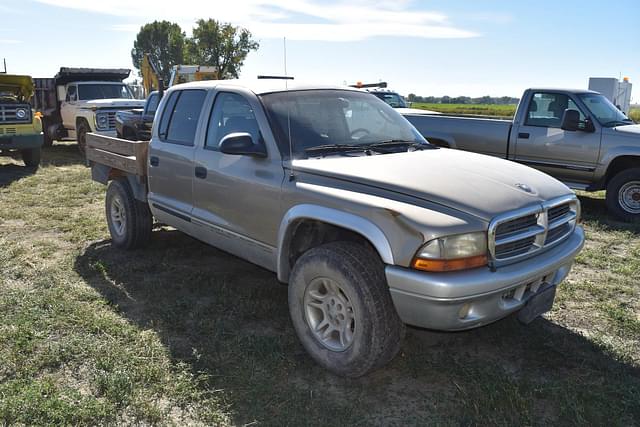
260	86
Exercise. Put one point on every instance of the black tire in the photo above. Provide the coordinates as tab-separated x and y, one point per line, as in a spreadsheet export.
623	195
131	228
47	137
376	329
81	136
31	157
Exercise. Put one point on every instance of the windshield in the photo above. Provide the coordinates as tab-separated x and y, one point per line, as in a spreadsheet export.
317	118
604	111
103	91
8	96
391	98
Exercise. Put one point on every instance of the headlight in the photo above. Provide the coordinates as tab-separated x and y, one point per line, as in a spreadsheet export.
102	120
21	113
450	253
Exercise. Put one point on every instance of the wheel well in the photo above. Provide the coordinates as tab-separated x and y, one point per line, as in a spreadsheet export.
307	234
621	163
80	120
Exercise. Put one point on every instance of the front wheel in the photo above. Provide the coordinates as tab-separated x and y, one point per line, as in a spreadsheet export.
623	195
129	220
341	309
81	137
31	157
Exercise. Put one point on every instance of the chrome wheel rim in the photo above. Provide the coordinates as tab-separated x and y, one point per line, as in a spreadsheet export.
629	197
330	314
118	215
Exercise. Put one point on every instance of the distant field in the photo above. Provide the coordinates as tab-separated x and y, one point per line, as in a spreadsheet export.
474	109
489	109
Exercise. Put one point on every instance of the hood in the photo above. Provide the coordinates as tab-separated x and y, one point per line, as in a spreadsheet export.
479	185
115	102
632	130
414	111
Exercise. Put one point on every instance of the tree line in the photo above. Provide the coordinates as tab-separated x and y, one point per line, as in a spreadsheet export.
502	100
212	43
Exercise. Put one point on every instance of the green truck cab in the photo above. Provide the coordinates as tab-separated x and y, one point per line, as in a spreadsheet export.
20	126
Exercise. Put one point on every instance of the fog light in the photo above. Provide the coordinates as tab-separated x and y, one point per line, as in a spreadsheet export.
464	311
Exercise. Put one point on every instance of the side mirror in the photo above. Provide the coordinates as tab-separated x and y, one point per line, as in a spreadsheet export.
570	120
241	143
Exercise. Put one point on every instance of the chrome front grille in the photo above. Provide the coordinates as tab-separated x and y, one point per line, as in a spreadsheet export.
522	233
112	120
8	113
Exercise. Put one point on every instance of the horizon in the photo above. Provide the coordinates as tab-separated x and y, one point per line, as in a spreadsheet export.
432	48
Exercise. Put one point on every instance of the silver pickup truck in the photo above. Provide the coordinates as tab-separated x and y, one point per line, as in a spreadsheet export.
576	136
330	188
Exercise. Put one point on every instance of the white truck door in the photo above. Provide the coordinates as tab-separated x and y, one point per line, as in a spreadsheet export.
68	107
570	156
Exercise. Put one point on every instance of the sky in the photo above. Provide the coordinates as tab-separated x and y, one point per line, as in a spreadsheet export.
456	48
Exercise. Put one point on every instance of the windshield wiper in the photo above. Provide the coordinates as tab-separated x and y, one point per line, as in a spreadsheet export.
330	148
618	122
399	142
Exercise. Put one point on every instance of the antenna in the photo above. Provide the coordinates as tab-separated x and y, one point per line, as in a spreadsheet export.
286	88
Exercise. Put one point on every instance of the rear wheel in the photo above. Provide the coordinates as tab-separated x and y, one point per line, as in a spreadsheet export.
31	157
623	195
48	138
129	220
341	309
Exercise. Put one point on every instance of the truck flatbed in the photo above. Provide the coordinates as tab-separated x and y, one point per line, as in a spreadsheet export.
120	155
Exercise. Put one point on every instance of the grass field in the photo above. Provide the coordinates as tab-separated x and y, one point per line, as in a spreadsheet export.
181	333
489	109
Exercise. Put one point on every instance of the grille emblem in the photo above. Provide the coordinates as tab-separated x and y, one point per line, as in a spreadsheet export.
525	188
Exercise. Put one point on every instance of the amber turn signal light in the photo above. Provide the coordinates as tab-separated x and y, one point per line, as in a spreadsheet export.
441	265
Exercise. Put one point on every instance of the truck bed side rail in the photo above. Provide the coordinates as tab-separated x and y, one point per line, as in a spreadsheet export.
119	154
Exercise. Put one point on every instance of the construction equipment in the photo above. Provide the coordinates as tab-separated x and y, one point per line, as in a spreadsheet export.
151	79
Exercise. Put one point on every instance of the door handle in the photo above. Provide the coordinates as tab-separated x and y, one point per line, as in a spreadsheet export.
523	135
154	161
201	172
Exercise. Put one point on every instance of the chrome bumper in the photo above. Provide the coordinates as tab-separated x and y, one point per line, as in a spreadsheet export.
472	298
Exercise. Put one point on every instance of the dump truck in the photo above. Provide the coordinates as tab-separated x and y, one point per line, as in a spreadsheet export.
81	100
20	126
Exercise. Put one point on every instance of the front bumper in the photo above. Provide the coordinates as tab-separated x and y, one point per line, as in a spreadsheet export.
468	299
21	142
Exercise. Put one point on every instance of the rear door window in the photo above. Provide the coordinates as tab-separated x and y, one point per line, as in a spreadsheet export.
180	119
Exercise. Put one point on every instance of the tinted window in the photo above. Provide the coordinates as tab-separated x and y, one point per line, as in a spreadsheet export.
546	109
231	113
152	103
166	115
183	121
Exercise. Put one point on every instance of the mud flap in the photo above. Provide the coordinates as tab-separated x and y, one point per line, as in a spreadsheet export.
538	304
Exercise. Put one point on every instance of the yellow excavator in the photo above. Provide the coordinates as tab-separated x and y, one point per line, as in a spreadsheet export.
151	79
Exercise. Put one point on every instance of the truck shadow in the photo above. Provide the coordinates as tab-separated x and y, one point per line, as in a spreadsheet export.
228	319
62	154
594	209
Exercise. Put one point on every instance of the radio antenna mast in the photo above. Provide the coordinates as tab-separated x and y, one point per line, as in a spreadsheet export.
286	87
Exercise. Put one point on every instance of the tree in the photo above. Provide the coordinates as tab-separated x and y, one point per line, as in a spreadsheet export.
164	42
221	45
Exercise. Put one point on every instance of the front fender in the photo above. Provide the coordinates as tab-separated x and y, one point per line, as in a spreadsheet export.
89	116
355	223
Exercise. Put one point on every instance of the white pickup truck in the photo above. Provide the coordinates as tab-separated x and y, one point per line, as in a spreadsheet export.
82	100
